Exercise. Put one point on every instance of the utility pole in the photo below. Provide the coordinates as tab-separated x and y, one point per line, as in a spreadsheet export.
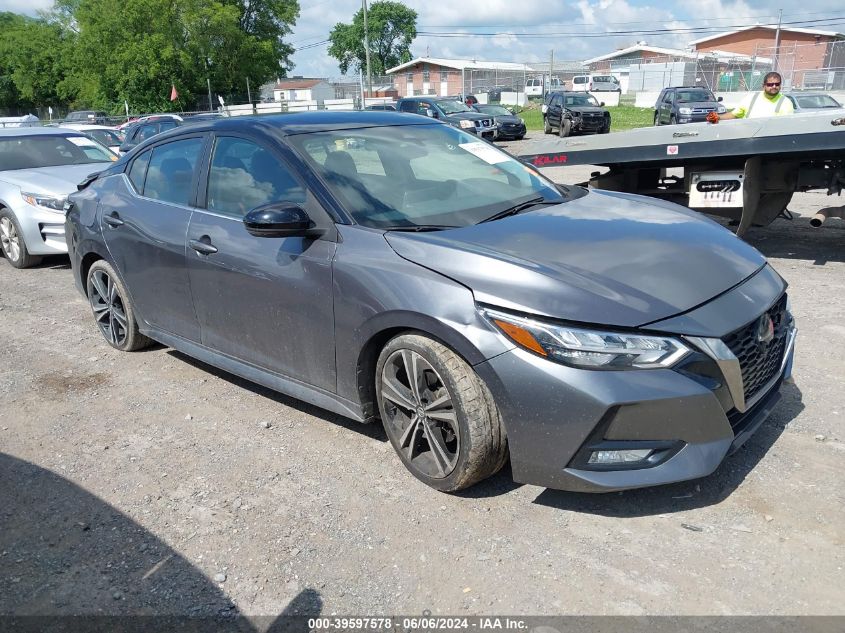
210	106
248	93
551	65
777	42
367	51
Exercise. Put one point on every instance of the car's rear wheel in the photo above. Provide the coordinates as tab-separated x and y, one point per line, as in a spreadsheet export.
438	414
656	119
565	127
112	310
12	242
673	120
547	127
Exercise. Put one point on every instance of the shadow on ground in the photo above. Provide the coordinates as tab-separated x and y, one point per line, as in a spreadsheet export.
691	494
72	562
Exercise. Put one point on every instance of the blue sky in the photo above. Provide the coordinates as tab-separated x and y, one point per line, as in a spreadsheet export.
528	31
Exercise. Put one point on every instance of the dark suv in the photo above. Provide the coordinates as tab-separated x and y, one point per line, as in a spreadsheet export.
147	128
574	112
97	117
450	111
685	104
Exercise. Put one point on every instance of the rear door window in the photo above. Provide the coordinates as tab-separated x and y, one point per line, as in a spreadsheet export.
170	174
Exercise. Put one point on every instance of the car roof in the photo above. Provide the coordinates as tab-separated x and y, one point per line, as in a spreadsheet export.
39	131
298	123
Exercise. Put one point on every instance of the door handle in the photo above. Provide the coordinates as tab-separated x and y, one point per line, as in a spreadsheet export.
112	219
203	246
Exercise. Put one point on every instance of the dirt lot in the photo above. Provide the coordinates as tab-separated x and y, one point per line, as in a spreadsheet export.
150	483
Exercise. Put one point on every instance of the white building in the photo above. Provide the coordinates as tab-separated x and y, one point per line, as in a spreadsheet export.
299	89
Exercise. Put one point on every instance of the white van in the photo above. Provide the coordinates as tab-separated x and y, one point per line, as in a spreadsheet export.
595	83
534	86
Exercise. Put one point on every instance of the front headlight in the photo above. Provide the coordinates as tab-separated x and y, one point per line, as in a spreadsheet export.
589	349
721	109
40	200
521	120
685	110
466	124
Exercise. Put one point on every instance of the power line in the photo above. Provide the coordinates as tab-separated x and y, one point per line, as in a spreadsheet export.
674	31
571	23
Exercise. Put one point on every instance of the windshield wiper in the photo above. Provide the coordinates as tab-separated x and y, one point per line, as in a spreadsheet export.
418	228
519	208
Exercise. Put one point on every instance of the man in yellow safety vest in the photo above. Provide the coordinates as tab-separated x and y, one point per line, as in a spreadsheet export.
770	102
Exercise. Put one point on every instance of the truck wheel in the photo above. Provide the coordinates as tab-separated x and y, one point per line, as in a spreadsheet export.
565	127
547	128
656	119
438	414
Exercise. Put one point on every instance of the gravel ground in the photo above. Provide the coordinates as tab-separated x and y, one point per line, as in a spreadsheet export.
151	483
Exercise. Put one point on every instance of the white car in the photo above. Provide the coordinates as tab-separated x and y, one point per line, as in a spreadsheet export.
109	136
39	167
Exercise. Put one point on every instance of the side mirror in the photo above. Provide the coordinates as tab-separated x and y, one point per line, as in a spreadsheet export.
280	219
718	98
431	113
601	104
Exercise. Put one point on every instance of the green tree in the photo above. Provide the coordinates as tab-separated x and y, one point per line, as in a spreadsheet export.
134	50
32	61
391	27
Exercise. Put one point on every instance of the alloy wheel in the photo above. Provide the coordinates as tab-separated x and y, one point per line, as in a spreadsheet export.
421	418
108	308
9	238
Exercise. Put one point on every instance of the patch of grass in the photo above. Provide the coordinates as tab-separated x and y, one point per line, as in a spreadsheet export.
623	117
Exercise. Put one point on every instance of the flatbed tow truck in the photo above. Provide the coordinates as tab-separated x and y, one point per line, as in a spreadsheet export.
744	169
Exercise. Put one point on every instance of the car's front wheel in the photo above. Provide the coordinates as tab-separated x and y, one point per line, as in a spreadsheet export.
438	414
565	127
547	127
112	310
12	242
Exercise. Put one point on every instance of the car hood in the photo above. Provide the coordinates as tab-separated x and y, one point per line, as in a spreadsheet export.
508	118
585	109
469	116
698	104
60	180
606	258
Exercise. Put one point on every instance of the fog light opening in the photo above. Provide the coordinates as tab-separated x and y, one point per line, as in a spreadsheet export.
627	456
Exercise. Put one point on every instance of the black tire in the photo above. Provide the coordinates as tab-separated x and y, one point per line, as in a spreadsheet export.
547	127
520	137
565	128
12	243
605	129
673	120
469	440
656	118
112	309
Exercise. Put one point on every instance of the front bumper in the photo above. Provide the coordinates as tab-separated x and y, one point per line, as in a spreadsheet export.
43	231
555	415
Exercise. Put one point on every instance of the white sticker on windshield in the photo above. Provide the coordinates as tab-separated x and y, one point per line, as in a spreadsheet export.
485	152
82	141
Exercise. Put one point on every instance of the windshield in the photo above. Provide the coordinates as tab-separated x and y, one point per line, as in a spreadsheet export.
690	96
609	79
494	110
104	137
581	100
450	107
817	101
32	152
420	175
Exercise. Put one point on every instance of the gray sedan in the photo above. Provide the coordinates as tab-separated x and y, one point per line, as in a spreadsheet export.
39	167
387	266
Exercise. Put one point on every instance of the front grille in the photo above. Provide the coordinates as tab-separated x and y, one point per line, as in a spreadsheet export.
483	123
703	110
760	361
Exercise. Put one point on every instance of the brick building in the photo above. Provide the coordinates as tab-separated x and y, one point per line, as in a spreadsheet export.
445	77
